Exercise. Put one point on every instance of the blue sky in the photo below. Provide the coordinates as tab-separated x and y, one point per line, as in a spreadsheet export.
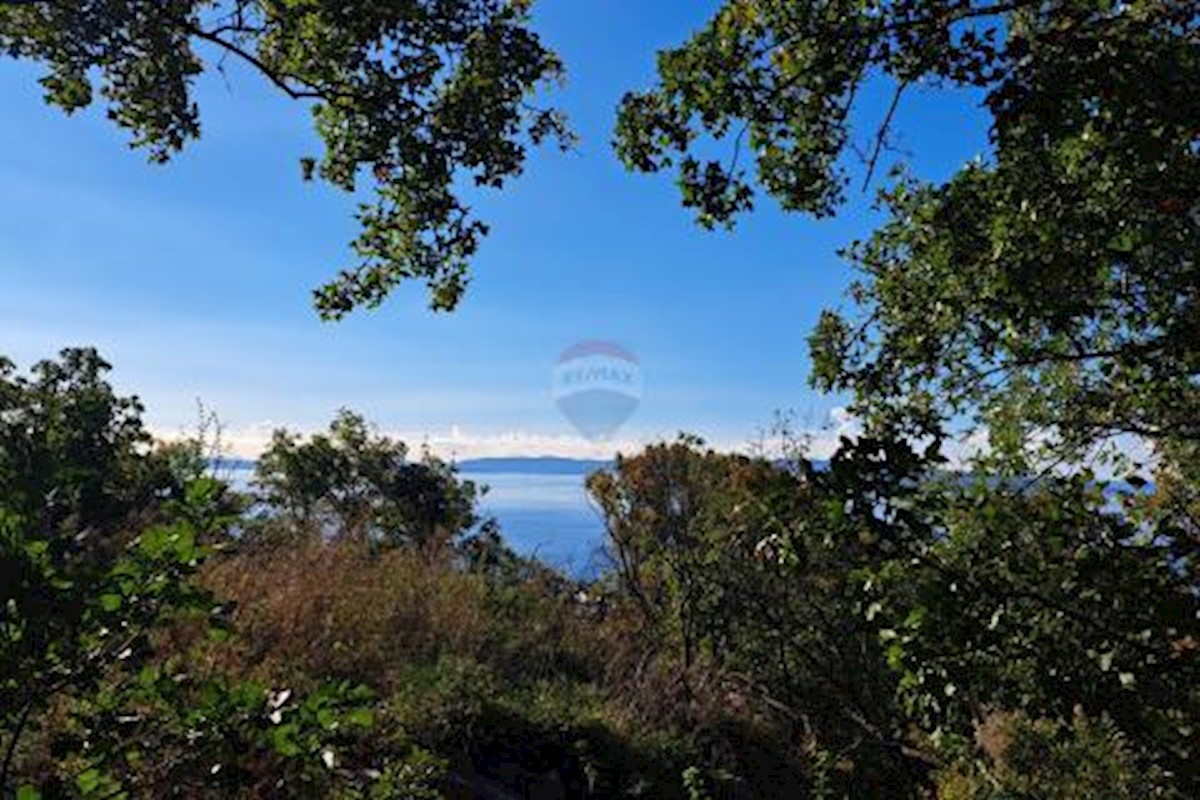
194	278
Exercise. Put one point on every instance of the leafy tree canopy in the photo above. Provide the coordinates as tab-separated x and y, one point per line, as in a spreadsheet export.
409	97
355	483
74	455
1050	287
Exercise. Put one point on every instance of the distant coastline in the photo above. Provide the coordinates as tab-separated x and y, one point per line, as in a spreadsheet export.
522	465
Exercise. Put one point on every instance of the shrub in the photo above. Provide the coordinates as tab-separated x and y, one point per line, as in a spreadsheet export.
1028	759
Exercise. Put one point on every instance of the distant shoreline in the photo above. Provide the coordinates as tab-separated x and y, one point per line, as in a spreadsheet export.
524	465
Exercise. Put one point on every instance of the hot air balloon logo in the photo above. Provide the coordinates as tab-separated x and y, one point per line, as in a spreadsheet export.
597	386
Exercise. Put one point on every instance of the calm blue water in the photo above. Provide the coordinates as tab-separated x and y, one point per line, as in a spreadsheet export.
547	516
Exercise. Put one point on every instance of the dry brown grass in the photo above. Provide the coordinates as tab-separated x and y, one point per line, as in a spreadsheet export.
386	619
337	611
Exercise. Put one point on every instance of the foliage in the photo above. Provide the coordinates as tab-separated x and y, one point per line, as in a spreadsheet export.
73	454
335	611
96	538
872	627
498	673
91	580
555	737
842	630
1027	758
70	623
410	98
1050	287
1043	601
212	737
883	612
356	484
1043	299
758	605
420	775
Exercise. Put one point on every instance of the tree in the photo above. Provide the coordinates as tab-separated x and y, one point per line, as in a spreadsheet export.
68	622
1048	291
890	615
356	484
1047	295
409	98
745	581
1043	601
73	454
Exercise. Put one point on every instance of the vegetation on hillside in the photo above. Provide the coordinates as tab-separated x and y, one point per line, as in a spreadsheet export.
351	628
882	626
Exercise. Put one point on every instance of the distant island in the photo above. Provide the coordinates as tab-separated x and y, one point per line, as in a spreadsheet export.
523	465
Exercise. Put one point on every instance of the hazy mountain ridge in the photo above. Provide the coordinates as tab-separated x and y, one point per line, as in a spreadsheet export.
524	465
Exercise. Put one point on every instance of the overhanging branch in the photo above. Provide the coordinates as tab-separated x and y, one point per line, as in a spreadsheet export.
234	49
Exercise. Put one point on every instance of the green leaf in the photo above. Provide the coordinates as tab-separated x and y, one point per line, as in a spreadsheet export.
155	541
283	740
361	717
89	781
185	544
326	718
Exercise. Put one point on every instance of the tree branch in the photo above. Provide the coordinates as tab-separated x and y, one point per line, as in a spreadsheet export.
881	136
230	47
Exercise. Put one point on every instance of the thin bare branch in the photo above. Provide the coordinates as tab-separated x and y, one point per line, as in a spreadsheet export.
881	135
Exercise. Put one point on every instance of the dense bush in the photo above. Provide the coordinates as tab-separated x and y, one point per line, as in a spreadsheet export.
102	537
1052	760
746	606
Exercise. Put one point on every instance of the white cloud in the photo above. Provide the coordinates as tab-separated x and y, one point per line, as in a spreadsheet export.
459	443
453	443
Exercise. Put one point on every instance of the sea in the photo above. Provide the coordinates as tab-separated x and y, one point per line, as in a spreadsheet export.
548	516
